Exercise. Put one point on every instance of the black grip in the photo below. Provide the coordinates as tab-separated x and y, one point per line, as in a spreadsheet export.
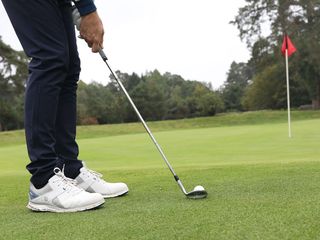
103	55
176	178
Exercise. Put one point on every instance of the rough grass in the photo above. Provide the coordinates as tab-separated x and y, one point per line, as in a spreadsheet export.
261	184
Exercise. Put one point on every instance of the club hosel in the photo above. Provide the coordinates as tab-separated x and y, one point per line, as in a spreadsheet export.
180	184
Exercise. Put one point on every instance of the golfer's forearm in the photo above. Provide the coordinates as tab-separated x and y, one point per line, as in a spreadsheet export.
85	6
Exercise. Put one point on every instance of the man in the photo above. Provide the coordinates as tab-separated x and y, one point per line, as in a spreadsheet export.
59	182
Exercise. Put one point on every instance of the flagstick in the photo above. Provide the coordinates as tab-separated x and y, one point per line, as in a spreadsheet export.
288	94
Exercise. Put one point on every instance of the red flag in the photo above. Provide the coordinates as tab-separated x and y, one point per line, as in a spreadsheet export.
287	44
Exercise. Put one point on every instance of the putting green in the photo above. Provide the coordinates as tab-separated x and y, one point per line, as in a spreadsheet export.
261	185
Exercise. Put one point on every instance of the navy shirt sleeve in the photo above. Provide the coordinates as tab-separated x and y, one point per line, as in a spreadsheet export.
85	6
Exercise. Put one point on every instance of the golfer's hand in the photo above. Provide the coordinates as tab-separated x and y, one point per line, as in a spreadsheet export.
91	30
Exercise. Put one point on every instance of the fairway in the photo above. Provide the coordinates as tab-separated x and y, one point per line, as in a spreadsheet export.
261	184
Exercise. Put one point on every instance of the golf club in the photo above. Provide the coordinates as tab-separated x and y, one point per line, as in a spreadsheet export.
198	192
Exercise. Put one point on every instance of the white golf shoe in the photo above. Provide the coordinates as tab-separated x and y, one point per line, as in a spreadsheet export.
91	181
61	194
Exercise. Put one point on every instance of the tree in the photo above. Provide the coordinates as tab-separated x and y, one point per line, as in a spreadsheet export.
234	87
13	76
267	91
299	18
177	106
96	104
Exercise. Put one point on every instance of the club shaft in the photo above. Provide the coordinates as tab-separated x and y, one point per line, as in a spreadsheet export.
103	56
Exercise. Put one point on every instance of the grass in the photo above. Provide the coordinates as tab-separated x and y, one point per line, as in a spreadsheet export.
220	120
261	184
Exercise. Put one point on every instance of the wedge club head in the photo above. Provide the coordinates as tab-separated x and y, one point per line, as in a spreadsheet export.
197	193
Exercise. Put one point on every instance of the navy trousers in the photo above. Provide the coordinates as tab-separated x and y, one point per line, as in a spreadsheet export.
46	32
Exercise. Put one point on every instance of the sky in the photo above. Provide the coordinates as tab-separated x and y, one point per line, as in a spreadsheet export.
186	37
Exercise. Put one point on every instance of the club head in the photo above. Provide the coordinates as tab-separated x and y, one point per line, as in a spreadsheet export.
197	194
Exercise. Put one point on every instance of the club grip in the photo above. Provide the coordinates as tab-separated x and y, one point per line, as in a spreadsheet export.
103	55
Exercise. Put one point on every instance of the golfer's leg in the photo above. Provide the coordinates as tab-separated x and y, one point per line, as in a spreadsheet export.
66	146
40	29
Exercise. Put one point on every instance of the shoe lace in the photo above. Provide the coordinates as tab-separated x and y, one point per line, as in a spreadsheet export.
68	183
94	173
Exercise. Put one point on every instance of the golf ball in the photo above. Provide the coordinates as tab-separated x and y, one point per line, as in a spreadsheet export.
198	188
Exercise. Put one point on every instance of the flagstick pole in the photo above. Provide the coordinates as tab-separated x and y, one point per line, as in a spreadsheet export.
288	94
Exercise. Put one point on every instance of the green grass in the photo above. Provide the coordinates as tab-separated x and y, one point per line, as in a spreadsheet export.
220	120
261	184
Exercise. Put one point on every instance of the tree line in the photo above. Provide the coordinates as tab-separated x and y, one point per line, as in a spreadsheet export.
260	82
157	96
256	84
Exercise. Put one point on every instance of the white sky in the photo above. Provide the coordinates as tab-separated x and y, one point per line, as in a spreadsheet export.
187	37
